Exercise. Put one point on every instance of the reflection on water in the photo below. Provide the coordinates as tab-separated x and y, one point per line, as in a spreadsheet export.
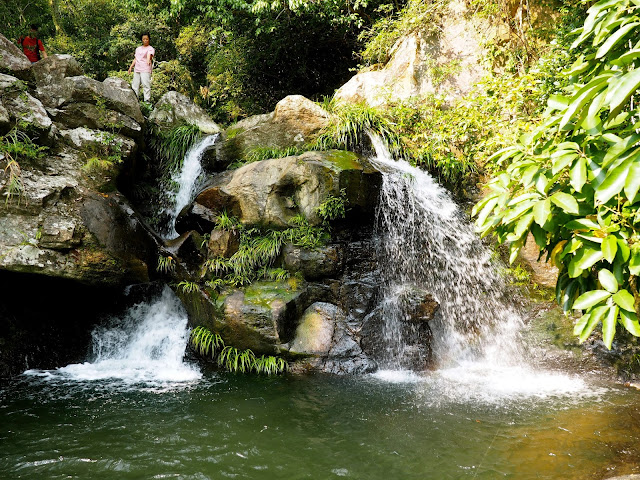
320	427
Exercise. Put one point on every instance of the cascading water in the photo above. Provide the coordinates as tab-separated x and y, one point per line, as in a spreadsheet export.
146	345
427	246
189	179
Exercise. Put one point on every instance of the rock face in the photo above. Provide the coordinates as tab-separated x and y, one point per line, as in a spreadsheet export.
17	105
174	109
295	121
13	61
418	62
273	192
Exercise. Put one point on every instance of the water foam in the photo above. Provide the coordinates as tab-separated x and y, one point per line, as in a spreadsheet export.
146	345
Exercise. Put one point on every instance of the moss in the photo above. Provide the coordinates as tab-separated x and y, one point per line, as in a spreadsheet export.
263	293
343	160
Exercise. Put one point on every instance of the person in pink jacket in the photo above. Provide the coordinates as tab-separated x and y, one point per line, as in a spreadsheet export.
142	66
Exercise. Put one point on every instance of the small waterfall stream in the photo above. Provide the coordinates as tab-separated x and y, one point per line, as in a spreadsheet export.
189	179
146	345
428	247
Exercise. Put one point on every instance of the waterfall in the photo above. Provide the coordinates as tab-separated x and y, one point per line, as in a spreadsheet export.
189	179
146	345
427	246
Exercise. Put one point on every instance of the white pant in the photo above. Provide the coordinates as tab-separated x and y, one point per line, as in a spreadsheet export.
145	77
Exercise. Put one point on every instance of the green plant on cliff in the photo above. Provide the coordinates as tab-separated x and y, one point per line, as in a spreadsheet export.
573	181
16	147
207	343
172	145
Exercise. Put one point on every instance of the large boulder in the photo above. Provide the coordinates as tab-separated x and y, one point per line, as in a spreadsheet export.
296	121
447	63
13	61
61	224
174	109
273	192
17	106
99	143
54	69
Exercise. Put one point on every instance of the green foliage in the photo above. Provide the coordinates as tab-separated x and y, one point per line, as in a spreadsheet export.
16	147
165	264
15	18
188	287
258	154
350	125
333	207
207	343
171	146
258	250
573	181
381	36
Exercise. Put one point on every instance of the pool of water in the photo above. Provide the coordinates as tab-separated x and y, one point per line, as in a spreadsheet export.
465	422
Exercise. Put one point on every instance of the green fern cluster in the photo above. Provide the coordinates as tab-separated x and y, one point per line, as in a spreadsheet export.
15	147
207	343
165	264
352	123
172	145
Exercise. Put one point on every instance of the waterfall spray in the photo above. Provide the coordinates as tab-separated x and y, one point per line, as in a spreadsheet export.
427	246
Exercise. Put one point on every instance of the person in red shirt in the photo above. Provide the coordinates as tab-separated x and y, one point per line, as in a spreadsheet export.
31	46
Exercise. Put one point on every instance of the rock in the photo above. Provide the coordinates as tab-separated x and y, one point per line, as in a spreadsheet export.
626	477
79	115
223	243
94	142
20	106
295	122
313	264
416	59
13	61
54	69
314	335
62	227
110	95
261	316
174	109
273	192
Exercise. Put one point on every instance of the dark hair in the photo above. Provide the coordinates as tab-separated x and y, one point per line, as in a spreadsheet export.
33	26
147	34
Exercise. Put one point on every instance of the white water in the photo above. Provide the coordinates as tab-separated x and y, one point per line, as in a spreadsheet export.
189	180
146	345
427	245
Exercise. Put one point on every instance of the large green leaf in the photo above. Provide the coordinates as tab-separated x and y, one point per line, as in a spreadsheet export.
626	59
609	248
624	300
615	38
542	211
634	264
608	281
609	326
632	183
596	316
584	95
565	201
590	257
613	183
578	174
629	320
590	299
619	147
622	90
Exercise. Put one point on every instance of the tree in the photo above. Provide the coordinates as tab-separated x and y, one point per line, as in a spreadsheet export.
573	181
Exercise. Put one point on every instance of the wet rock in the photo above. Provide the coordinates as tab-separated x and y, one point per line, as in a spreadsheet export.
313	264
273	192
174	109
13	61
295	121
223	243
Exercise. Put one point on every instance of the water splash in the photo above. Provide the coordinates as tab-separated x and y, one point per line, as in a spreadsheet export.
428	247
146	345
189	179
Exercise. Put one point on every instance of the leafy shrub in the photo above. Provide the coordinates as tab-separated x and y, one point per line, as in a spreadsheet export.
16	147
573	181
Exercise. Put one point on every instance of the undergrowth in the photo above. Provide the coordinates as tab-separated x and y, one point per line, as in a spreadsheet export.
207	343
171	146
16	147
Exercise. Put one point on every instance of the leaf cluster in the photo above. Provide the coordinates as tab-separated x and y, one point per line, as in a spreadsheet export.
207	343
573	181
16	147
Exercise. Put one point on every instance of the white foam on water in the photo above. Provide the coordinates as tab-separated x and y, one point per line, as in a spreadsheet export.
147	345
398	376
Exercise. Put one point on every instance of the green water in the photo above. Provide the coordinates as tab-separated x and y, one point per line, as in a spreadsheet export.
318	427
